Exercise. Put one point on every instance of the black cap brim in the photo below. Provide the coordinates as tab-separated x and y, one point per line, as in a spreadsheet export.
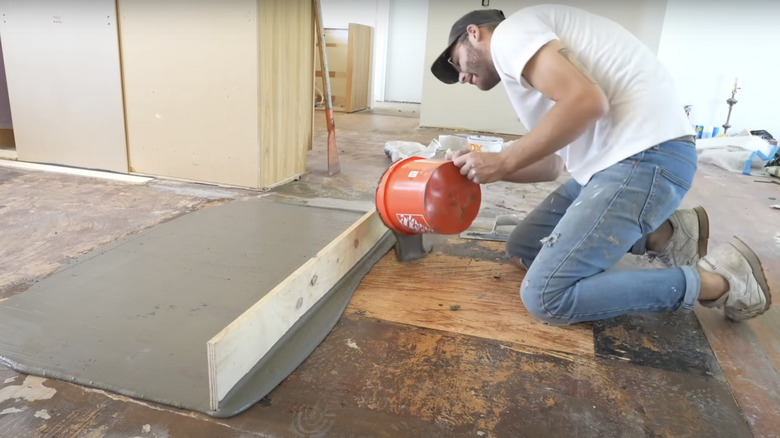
443	70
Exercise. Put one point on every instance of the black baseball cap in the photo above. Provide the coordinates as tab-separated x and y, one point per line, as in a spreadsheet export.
442	69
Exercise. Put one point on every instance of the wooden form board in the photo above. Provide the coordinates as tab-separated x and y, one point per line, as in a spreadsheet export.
349	65
235	350
218	91
64	82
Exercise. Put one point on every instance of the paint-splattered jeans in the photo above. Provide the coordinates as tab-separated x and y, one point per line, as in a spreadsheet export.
570	241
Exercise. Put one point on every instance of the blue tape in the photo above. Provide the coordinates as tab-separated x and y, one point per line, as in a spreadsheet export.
758	154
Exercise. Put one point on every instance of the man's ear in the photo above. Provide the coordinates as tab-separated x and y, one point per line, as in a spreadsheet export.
474	32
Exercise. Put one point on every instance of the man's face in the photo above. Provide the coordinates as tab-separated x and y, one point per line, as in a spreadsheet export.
474	65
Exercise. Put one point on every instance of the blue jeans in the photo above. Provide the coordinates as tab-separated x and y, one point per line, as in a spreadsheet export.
572	238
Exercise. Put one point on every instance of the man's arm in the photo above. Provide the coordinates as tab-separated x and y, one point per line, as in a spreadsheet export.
579	103
546	169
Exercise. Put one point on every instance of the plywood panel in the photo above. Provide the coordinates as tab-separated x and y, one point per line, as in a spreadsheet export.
349	64
337	44
286	32
190	75
7	138
358	67
62	65
462	295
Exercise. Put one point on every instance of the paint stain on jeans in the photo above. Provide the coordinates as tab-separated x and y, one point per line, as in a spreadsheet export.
549	240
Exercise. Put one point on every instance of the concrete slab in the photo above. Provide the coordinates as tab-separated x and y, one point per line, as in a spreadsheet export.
134	317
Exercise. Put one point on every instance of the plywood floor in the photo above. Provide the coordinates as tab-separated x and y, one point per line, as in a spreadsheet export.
440	347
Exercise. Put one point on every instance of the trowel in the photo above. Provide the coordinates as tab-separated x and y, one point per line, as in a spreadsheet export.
502	226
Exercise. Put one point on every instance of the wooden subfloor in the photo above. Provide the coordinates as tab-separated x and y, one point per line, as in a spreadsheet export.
439	347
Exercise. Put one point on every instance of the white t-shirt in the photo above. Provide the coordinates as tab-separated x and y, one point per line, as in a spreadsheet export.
644	109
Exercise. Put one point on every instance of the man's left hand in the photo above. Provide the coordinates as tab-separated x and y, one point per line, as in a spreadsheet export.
481	167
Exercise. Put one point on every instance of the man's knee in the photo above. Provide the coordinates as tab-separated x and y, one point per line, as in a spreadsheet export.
521	253
540	303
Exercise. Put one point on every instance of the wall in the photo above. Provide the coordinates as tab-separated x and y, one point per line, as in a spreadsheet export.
339	13
64	82
405	53
464	106
706	47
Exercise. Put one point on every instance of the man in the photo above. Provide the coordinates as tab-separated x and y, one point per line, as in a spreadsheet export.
598	102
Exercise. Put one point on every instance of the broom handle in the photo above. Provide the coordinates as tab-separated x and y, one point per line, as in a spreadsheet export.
333	158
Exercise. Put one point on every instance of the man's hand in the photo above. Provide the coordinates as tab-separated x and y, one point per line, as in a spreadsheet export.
480	167
546	169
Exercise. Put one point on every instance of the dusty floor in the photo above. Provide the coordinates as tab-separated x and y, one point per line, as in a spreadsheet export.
436	347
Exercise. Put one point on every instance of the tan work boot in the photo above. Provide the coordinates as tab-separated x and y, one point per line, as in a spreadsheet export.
691	232
748	295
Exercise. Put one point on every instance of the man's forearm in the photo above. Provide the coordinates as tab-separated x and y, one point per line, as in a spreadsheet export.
546	169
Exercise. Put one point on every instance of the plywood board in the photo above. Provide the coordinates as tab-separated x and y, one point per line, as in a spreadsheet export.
358	67
337	46
462	295
235	350
349	64
190	78
7	138
286	98
64	82
214	93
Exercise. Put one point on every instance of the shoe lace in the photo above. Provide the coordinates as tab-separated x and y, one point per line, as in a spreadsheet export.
663	257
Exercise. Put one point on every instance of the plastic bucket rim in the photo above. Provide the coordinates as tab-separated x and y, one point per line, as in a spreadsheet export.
383	213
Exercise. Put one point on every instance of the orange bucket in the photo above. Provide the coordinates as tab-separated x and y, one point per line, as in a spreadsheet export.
418	195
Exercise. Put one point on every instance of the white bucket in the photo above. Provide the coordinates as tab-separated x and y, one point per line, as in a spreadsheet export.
485	143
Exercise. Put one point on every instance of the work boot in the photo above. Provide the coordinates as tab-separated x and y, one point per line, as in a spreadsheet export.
748	295
691	231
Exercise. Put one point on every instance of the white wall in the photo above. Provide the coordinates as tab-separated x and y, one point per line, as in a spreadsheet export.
405	51
339	13
64	82
706	46
464	106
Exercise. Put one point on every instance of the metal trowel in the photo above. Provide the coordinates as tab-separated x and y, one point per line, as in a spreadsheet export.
499	231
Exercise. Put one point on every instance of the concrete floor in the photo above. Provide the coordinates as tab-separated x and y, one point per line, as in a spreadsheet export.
469	362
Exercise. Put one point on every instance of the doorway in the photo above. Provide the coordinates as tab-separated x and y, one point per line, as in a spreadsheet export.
7	143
